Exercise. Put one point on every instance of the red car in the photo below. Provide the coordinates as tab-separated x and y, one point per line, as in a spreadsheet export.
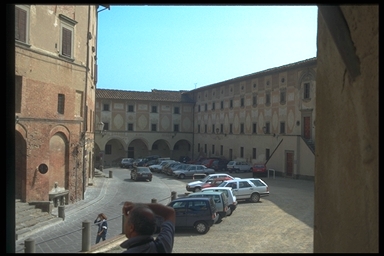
216	182
259	170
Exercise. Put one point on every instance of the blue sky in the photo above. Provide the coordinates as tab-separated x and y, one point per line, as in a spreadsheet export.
141	48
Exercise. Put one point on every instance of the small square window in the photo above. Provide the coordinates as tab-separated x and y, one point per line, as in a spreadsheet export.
130	127
105	107
130	108
176	110
153	127
154	109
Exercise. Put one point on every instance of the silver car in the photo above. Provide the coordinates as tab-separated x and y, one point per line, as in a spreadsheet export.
191	170
247	189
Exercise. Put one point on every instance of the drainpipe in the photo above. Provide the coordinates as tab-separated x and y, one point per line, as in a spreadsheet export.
85	122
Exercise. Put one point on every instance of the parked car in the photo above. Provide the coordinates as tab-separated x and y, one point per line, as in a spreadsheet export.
232	200
247	189
238	166
216	182
126	163
169	168
195	186
184	159
141	173
191	170
197	213
220	199
158	167
219	165
259	170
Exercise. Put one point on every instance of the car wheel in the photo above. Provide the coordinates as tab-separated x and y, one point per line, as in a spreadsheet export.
197	189
255	198
181	176
201	227
229	213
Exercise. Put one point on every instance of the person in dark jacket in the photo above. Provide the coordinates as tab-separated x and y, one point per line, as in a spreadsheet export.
101	221
140	224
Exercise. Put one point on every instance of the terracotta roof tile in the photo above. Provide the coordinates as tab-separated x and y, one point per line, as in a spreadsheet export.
154	95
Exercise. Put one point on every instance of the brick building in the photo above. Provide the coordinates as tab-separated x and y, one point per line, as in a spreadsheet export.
56	76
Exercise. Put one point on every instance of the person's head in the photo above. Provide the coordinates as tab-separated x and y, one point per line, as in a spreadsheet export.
140	221
102	216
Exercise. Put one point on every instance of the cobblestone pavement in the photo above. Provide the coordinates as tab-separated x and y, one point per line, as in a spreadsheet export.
279	223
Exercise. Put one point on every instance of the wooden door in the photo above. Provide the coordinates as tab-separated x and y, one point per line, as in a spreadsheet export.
307	127
289	163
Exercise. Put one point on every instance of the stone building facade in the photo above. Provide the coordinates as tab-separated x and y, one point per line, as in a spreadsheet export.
55	83
264	117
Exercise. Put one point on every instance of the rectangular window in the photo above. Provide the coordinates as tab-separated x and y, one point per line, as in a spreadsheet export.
282	97
205	128
213	128
60	103
242	128
18	93
267	127
206	107
221	128
242	102
213	149
175	127
131	108
198	128
154	109
230	128
267	154
205	148
254	128
66	42
198	108
213	105
230	103
106	126
282	127
268	98
198	147
221	104
21	24
105	107
67	36
130	127
108	149
307	91
241	151
155	147
153	127
221	150
176	110
254	100
254	153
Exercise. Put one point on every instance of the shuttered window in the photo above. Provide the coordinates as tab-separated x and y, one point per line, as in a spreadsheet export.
21	24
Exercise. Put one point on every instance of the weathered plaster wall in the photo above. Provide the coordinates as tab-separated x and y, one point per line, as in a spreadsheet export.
346	165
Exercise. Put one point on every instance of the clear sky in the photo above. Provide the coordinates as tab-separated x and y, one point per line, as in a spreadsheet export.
141	48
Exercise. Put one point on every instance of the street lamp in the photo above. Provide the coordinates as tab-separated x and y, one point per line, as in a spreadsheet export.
100	127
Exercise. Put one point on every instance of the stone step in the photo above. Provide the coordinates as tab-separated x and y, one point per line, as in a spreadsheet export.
30	219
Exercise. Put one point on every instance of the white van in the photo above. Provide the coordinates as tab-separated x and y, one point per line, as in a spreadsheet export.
232	200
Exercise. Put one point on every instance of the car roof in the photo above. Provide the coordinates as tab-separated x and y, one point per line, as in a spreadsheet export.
191	198
201	193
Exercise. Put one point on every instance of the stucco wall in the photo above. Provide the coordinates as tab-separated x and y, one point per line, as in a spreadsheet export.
346	165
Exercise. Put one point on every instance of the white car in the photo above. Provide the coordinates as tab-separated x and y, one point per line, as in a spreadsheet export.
232	200
191	170
195	186
239	166
247	189
158	167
